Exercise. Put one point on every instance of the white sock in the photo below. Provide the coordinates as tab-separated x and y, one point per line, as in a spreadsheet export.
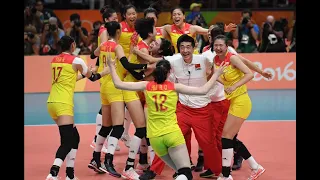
58	162
143	146
71	158
151	154
99	143
127	122
134	147
112	144
227	155
252	162
98	123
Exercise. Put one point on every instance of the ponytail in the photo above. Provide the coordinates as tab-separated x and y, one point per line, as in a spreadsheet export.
161	71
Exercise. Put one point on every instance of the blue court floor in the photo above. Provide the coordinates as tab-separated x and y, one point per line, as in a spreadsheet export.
267	105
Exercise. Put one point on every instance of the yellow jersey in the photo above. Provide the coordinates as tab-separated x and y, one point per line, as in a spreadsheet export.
159	32
101	30
125	38
231	76
161	100
109	46
64	79
176	33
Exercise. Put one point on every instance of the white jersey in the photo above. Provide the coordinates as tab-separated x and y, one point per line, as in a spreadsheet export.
216	94
193	74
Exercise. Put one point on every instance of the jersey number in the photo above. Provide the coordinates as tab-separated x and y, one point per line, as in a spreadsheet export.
104	59
162	98
56	73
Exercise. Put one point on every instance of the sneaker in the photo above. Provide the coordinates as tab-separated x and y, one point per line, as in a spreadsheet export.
50	177
126	139
255	173
225	178
130	174
208	174
148	175
74	178
109	168
140	168
237	163
199	165
95	166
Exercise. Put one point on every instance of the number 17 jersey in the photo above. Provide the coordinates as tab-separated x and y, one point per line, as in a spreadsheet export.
63	79
161	101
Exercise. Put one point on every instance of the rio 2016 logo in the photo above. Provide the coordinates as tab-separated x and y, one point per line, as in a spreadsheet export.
278	73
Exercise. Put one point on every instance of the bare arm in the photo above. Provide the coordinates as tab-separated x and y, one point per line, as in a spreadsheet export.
145	56
180	88
199	30
97	51
131	86
103	36
166	32
248	75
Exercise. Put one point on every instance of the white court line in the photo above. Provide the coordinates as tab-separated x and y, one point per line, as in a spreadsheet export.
247	121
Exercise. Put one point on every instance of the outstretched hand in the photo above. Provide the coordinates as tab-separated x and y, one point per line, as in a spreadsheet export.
221	68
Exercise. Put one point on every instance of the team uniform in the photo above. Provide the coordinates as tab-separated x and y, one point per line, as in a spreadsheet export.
108	92
60	100
126	33
176	33
240	103
162	127
159	32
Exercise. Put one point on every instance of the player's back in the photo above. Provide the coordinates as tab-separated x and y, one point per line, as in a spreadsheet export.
161	101
63	79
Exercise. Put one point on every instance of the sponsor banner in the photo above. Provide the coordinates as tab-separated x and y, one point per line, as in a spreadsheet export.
37	77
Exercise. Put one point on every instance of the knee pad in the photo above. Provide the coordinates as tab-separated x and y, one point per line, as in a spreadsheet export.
141	132
104	131
76	138
117	131
187	172
100	112
227	143
66	136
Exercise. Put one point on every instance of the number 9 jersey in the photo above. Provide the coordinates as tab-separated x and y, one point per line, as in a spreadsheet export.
162	101
64	78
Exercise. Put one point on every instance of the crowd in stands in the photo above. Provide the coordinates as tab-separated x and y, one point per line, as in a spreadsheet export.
43	29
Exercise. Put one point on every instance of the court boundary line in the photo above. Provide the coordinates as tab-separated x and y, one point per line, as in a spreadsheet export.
81	124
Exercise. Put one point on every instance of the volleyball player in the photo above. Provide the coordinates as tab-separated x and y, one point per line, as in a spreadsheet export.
108	14
65	69
237	74
220	105
112	101
163	130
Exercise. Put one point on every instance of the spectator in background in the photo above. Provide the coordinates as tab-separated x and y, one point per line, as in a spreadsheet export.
247	33
195	18
79	34
94	35
47	13
33	17
272	39
31	41
50	36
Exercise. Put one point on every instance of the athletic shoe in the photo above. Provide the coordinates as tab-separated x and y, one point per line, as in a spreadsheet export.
95	166
148	175
74	178
255	173
140	168
109	168
225	178
50	177
130	174
208	174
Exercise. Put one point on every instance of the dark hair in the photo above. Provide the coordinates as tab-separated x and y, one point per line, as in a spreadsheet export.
178	7
112	28
65	43
215	31
106	12
74	17
153	8
166	47
185	38
124	8
247	11
221	25
161	71
144	26
222	37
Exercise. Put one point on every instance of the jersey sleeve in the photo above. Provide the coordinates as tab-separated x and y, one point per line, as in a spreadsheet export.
82	63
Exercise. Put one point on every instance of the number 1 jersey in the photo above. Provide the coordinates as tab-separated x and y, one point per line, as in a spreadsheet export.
161	101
